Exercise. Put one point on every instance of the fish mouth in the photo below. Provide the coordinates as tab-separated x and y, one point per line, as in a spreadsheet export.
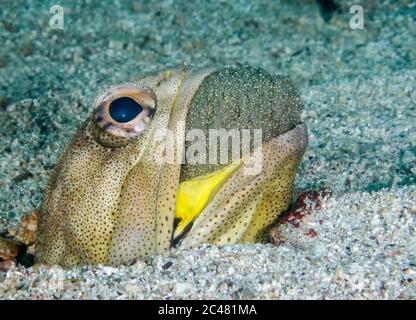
195	193
193	196
205	202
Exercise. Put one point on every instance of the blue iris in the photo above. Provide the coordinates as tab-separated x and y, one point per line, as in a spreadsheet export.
124	109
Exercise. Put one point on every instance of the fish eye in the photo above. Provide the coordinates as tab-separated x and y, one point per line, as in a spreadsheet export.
124	109
121	113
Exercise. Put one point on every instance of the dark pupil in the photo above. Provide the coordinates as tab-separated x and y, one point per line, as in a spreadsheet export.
124	109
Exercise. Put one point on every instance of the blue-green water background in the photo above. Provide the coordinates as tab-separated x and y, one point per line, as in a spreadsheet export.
357	85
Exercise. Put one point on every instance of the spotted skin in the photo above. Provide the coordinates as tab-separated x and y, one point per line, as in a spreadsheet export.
108	201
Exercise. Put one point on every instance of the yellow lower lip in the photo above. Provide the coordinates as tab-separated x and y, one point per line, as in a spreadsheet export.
193	195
